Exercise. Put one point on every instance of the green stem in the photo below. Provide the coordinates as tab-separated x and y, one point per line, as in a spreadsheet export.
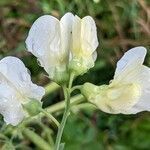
50	117
58	107
78	87
51	87
61	105
48	132
36	139
67	92
83	106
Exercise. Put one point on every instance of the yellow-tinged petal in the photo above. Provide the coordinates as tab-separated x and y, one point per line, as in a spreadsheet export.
118	98
129	91
76	35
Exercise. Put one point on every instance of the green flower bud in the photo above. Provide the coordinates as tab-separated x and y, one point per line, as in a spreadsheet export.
33	107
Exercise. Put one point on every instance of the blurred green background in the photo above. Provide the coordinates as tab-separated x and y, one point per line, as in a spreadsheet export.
121	25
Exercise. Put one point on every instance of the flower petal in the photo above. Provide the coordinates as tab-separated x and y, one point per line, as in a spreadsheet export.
144	102
66	24
89	39
14	72
44	41
116	99
42	35
131	60
10	107
76	35
94	56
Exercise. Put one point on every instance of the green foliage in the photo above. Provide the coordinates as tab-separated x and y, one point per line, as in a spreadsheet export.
104	131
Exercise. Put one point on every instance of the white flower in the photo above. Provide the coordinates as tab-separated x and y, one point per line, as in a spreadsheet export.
16	88
55	42
84	44
129	91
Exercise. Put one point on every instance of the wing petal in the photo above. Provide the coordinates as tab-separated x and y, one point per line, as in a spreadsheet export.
89	39
14	72
10	107
44	41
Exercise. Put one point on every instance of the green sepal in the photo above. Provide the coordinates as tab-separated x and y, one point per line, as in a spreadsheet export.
61	77
80	66
89	89
33	107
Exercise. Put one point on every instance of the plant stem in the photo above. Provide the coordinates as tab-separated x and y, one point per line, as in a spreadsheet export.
67	92
36	139
61	105
78	87
58	107
50	117
48	133
51	87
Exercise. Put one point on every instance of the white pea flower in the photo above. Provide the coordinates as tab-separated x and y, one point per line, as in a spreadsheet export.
84	44
16	88
129	91
56	43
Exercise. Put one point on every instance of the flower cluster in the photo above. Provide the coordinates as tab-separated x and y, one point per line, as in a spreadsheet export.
63	46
